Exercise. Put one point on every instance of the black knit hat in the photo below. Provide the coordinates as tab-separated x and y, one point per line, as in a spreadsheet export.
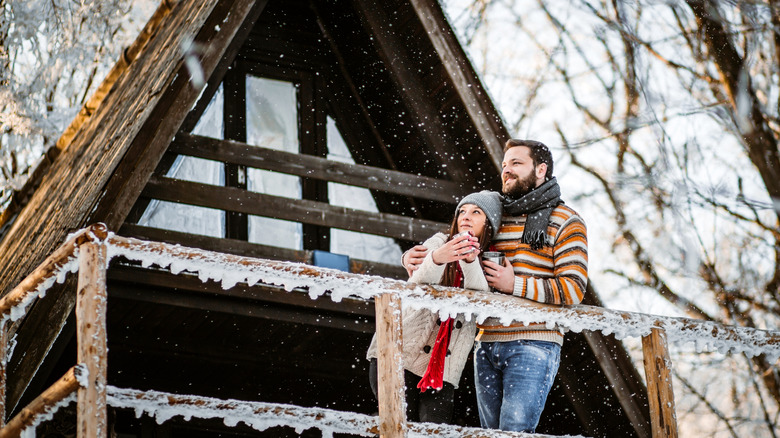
490	203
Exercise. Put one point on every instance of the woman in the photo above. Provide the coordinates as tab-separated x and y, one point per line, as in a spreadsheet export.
435	351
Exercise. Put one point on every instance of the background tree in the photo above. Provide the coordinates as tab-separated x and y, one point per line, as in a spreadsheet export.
668	117
52	55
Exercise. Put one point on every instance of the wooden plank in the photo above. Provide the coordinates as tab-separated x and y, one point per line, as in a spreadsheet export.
76	180
659	384
92	413
598	318
4	327
159	129
396	58
238	247
390	181
49	267
391	394
299	210
478	105
255	309
45	402
224	65
234	122
150	280
128	55
313	142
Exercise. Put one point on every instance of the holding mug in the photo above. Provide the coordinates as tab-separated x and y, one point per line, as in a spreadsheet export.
494	256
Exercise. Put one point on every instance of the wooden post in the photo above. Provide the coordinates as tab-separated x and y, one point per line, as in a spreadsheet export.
390	370
658	370
91	336
3	368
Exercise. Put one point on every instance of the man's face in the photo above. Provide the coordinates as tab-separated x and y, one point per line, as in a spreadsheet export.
518	173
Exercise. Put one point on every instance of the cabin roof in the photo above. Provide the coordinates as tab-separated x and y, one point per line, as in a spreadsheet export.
408	103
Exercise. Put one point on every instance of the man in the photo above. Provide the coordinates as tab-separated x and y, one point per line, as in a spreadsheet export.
546	257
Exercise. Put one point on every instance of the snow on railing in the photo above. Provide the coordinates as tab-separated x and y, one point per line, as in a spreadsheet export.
230	270
90	250
261	416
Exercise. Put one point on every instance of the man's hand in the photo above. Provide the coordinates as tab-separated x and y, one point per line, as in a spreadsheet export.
500	278
413	258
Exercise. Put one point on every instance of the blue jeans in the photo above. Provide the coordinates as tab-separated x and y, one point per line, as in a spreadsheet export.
512	381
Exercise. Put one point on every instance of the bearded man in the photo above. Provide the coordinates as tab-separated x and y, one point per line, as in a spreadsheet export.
546	257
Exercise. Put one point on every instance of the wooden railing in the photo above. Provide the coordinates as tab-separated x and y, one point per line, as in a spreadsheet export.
90	250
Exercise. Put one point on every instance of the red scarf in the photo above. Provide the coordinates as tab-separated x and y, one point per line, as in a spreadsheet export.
434	373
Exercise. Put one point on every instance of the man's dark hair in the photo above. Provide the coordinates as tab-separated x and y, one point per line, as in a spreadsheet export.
539	153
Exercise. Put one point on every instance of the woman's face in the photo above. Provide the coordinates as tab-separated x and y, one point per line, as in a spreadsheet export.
471	218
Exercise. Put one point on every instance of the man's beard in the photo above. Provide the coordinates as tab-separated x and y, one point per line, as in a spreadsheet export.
521	186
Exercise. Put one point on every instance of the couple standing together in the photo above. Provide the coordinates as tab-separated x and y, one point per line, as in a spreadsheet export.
545	247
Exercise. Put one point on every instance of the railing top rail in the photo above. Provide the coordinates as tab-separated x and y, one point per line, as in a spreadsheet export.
53	269
232	269
262	416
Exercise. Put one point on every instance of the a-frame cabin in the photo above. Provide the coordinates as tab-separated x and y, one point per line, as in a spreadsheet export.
299	98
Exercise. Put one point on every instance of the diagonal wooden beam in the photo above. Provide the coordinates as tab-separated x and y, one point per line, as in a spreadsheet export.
139	112
394	55
479	106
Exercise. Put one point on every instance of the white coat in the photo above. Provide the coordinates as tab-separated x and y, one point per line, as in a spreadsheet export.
420	327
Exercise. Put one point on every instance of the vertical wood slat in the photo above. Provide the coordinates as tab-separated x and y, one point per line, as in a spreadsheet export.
92	418
658	370
3	369
390	373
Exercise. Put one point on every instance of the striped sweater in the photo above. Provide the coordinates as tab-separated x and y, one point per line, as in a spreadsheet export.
555	274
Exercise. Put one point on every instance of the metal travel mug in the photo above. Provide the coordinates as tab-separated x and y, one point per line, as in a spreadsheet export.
465	233
494	256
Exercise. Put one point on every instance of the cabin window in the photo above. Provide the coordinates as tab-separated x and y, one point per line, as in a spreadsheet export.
281	111
190	218
272	122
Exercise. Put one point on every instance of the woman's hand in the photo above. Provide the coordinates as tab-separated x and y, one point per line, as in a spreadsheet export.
459	248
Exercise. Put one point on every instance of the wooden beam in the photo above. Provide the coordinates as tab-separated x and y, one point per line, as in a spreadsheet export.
151	279
89	166
4	338
394	54
597	318
128	55
254	309
57	392
238	247
49	267
299	210
479	106
92	414
390	181
658	369
391	393
234	122
170	110
313	142
75	181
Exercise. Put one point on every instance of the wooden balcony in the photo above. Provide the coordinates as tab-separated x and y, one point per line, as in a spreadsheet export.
89	251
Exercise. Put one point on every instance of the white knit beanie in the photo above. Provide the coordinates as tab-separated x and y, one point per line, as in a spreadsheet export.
490	203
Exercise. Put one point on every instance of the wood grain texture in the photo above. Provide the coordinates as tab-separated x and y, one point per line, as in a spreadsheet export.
658	370
390	371
92	350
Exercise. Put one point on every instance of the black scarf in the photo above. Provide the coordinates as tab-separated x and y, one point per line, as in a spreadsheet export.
538	204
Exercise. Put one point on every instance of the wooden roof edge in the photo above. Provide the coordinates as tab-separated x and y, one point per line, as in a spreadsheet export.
20	197
479	105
